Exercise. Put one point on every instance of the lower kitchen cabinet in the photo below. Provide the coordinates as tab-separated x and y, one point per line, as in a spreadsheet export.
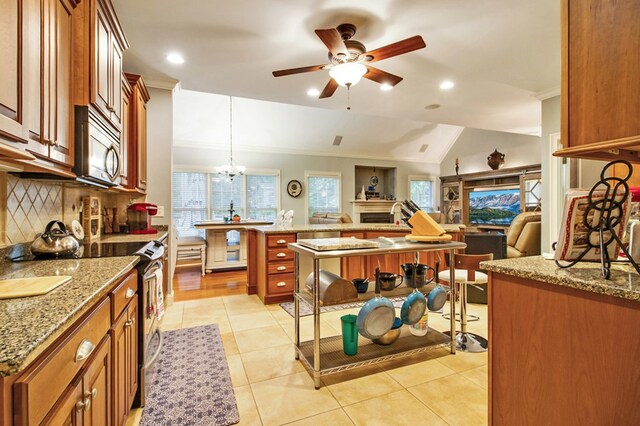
352	267
273	266
89	375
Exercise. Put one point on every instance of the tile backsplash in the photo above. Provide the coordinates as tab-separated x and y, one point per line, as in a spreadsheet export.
30	205
26	206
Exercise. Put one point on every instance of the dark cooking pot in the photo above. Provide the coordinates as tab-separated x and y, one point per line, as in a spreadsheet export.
376	317
389	281
55	240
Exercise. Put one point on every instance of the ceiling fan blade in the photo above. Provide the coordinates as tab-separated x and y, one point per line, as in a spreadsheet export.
329	89
300	70
382	77
333	40
394	49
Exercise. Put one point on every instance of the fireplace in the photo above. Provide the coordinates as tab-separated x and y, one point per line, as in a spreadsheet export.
376	217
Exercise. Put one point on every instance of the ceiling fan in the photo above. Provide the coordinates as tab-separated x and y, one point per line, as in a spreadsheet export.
349	59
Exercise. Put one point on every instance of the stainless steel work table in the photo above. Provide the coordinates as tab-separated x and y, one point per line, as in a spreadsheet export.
330	348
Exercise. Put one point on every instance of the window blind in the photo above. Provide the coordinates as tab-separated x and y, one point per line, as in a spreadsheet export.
421	192
324	194
262	197
189	201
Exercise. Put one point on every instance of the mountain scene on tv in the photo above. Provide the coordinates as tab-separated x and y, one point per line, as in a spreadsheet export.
497	207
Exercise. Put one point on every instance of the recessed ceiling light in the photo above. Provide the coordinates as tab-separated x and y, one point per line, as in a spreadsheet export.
446	85
432	106
313	92
175	58
385	87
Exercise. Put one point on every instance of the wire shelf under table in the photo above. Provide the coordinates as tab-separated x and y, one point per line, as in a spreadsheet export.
333	359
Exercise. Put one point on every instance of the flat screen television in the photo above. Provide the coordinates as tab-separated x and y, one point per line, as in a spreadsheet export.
494	206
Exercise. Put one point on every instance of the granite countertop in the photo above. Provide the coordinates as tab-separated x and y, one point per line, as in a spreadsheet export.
624	282
345	227
28	325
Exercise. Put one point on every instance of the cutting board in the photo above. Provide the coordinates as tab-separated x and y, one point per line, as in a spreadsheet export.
35	286
324	244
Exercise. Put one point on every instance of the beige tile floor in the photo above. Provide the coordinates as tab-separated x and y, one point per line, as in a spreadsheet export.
272	388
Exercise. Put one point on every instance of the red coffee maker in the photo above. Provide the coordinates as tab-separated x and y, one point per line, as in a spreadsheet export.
139	218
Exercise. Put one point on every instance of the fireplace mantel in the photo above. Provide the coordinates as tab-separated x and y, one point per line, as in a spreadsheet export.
370	206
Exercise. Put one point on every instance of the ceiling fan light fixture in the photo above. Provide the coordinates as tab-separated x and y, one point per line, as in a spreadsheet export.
348	74
385	87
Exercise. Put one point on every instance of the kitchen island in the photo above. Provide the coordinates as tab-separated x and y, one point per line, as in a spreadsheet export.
225	249
564	344
270	266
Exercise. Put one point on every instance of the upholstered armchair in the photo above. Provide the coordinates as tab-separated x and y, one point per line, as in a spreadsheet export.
523	236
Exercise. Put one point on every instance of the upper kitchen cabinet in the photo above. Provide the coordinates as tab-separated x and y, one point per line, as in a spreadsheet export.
125	133
138	134
99	43
600	84
49	82
13	68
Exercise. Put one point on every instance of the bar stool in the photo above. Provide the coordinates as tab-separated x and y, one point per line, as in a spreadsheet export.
466	273
191	248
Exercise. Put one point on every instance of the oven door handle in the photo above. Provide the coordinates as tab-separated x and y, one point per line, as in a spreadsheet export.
151	271
155	356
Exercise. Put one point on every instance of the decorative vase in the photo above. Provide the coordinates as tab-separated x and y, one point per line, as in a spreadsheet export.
495	160
362	195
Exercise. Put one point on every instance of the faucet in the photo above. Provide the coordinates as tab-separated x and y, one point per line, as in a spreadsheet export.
393	211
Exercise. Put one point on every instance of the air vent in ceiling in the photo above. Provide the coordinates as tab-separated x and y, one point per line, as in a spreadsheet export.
424	147
337	141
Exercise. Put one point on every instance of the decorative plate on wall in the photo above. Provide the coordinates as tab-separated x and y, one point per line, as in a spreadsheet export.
294	188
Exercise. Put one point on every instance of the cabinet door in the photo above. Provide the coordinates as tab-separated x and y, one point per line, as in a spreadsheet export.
115	105
132	351
97	387
141	129
12	45
69	409
124	133
35	72
387	262
120	369
60	69
102	49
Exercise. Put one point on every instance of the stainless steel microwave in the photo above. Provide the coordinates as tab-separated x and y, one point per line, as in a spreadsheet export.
97	149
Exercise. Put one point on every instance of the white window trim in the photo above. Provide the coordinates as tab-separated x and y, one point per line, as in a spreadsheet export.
183	168
427	178
307	174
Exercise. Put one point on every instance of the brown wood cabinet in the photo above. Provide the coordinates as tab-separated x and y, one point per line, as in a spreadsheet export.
98	47
89	375
137	158
600	85
125	134
273	262
354	266
49	81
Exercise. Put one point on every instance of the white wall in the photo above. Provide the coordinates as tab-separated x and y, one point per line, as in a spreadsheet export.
293	166
473	146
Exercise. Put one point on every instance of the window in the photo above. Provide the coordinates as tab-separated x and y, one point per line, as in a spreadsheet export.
189	201
323	193
421	190
207	196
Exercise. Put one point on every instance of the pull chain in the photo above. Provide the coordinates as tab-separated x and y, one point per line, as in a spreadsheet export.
348	96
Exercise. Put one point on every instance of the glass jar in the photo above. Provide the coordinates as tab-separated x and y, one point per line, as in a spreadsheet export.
421	327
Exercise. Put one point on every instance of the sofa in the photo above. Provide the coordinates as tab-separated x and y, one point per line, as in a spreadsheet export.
320	218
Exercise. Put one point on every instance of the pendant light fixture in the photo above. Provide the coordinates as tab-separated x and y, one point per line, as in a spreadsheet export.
231	170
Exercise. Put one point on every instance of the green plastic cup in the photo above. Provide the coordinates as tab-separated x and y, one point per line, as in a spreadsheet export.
349	334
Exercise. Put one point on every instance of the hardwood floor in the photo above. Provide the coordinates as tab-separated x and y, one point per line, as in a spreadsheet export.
188	284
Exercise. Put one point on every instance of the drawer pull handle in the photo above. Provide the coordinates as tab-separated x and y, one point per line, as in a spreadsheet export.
94	393
130	293
80	405
84	350
281	255
281	241
281	284
281	268
128	323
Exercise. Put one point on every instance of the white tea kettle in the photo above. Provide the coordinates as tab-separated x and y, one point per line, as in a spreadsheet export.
55	241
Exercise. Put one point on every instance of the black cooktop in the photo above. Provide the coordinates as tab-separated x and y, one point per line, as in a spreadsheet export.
21	252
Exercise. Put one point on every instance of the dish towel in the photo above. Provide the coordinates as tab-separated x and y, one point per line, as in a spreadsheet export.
159	295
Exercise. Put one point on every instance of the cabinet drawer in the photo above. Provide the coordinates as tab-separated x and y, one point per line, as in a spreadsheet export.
123	294
38	389
280	240
281	283
279	254
280	267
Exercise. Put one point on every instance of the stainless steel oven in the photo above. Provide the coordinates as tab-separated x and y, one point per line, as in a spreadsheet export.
149	334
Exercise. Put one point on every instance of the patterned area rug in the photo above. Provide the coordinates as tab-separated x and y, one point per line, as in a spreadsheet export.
191	384
304	308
